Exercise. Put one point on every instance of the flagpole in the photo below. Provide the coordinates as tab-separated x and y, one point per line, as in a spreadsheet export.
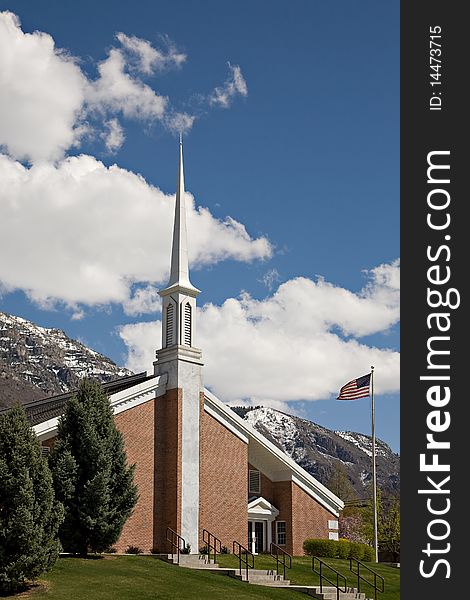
374	473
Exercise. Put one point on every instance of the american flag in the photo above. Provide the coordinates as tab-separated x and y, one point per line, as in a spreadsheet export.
357	388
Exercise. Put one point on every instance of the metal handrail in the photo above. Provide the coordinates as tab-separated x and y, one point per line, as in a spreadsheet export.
285	555
338	575
242	550
360	564
216	544
175	540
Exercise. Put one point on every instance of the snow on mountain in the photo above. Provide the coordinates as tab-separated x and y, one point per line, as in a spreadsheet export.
36	361
321	451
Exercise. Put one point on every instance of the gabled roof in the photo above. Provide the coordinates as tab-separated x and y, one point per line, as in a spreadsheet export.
280	466
49	408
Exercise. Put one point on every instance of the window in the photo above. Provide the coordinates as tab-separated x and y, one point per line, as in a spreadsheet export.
332	524
45	450
169	324
281	533
254	482
333	535
187	324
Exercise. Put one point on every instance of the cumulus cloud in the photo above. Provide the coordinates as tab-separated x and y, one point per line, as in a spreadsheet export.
301	343
145	300
42	91
48	103
80	232
235	85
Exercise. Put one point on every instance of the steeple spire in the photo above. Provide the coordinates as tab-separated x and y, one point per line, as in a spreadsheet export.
179	273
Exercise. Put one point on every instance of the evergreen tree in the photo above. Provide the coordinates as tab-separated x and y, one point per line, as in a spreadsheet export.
29	514
90	471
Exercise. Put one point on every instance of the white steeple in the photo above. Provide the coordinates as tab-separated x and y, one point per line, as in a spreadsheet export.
179	296
181	361
179	273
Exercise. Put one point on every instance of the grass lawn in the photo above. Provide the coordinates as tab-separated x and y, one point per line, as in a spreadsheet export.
301	573
142	578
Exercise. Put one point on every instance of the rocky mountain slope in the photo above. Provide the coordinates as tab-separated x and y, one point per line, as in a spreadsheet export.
321	451
36	362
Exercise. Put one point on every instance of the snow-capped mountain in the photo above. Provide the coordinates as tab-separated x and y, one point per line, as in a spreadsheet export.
320	451
36	362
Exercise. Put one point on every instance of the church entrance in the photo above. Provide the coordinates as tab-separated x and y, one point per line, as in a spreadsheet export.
256	536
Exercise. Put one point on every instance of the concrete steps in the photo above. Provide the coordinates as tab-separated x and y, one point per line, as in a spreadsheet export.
267	578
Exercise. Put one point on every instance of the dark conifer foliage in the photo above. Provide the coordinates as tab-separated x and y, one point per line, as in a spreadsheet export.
90	471
29	513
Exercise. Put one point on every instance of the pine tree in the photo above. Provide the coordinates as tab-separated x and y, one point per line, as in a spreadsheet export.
29	514
90	471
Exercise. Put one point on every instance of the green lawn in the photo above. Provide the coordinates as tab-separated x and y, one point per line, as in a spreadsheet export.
301	573
142	578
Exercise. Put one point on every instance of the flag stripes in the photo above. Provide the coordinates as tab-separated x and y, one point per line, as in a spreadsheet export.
357	388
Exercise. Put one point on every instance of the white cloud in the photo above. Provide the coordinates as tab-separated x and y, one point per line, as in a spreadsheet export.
117	91
235	85
145	300
289	346
42	92
113	136
147	58
270	278
81	232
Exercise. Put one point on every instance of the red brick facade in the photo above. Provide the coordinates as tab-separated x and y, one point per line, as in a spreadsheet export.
304	516
152	437
223	481
138	426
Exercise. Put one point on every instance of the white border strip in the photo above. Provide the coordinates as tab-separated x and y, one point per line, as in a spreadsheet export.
120	402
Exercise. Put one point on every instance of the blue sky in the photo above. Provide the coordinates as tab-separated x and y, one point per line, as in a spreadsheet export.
307	158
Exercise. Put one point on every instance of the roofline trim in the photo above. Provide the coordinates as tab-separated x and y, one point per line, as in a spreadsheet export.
299	476
120	402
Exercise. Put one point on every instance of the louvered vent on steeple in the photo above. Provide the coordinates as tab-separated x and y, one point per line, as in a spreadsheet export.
187	324
169	325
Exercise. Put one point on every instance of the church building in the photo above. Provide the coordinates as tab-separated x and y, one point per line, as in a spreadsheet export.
198	464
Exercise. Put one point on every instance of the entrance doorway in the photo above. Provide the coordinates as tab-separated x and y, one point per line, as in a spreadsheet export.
257	528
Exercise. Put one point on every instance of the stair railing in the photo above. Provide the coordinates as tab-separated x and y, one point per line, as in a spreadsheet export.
324	565
360	565
281	557
245	557
212	542
176	541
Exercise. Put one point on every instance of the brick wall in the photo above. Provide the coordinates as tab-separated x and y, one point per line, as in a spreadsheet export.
309	518
223	483
137	426
168	442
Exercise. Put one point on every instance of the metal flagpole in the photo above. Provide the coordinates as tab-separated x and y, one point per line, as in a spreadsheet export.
374	474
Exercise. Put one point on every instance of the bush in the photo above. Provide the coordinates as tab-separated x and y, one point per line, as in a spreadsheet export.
356	550
133	550
343	548
204	550
111	550
186	549
338	549
224	550
320	547
369	554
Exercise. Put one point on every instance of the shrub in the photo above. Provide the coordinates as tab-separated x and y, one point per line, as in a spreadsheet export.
111	550
369	554
356	550
224	550
186	549
133	550
204	550
320	547
343	548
